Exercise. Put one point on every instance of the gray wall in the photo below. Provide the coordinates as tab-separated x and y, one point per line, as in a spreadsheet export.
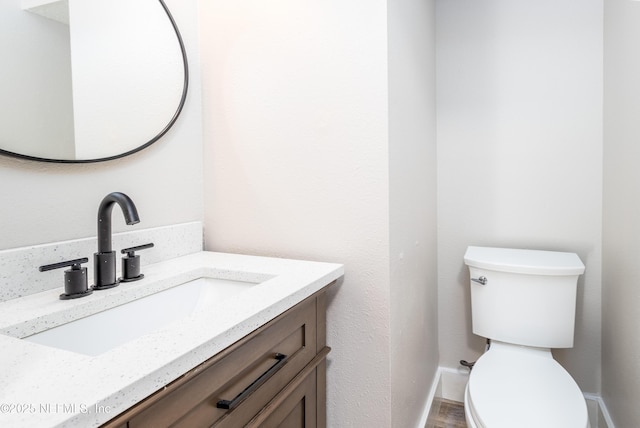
621	269
519	153
412	208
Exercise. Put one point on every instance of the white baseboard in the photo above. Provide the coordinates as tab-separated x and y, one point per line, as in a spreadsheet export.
450	383
434	391
599	416
454	382
447	383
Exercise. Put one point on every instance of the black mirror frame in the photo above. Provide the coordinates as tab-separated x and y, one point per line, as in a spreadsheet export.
148	143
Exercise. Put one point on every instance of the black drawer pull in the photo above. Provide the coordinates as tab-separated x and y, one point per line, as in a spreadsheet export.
231	404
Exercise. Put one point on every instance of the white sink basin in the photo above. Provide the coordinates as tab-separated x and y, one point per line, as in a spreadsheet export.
100	332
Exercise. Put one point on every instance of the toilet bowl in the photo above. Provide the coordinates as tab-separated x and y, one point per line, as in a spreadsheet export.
524	302
515	386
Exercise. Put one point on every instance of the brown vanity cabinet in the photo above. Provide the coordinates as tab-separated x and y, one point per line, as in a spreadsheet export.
273	377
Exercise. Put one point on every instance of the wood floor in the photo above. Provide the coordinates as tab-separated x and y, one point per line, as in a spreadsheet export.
446	414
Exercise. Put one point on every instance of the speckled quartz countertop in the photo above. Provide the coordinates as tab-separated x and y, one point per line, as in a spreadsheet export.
42	386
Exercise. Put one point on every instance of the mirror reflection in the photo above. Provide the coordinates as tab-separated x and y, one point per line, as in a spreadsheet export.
87	80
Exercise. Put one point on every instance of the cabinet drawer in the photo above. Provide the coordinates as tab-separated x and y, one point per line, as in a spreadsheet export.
298	409
301	403
191	400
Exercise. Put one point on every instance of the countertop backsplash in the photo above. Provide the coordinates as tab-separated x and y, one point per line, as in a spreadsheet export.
19	274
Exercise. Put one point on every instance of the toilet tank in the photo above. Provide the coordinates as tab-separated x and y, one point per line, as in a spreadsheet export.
529	296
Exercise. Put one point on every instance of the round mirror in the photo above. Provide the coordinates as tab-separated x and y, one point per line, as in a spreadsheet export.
88	80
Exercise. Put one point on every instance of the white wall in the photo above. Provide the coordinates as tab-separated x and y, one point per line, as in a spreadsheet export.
295	103
620	292
52	202
298	131
519	153
412	195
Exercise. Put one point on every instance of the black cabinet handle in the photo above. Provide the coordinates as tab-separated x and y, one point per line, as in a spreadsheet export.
231	404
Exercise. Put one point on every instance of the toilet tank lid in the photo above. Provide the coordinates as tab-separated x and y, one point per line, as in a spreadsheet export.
534	262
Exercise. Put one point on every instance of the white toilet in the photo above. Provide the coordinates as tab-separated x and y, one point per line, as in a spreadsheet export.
524	301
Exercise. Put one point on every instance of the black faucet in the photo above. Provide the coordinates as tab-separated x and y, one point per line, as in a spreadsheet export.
104	261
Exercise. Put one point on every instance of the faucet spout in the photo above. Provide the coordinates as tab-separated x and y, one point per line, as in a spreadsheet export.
105	258
104	217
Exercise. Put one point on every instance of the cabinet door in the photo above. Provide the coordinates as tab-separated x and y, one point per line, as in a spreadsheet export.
297	410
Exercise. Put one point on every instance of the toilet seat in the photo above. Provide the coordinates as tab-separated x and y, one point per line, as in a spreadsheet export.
512	385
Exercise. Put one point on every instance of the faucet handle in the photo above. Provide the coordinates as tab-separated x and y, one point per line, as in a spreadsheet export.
130	251
131	263
75	264
75	279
